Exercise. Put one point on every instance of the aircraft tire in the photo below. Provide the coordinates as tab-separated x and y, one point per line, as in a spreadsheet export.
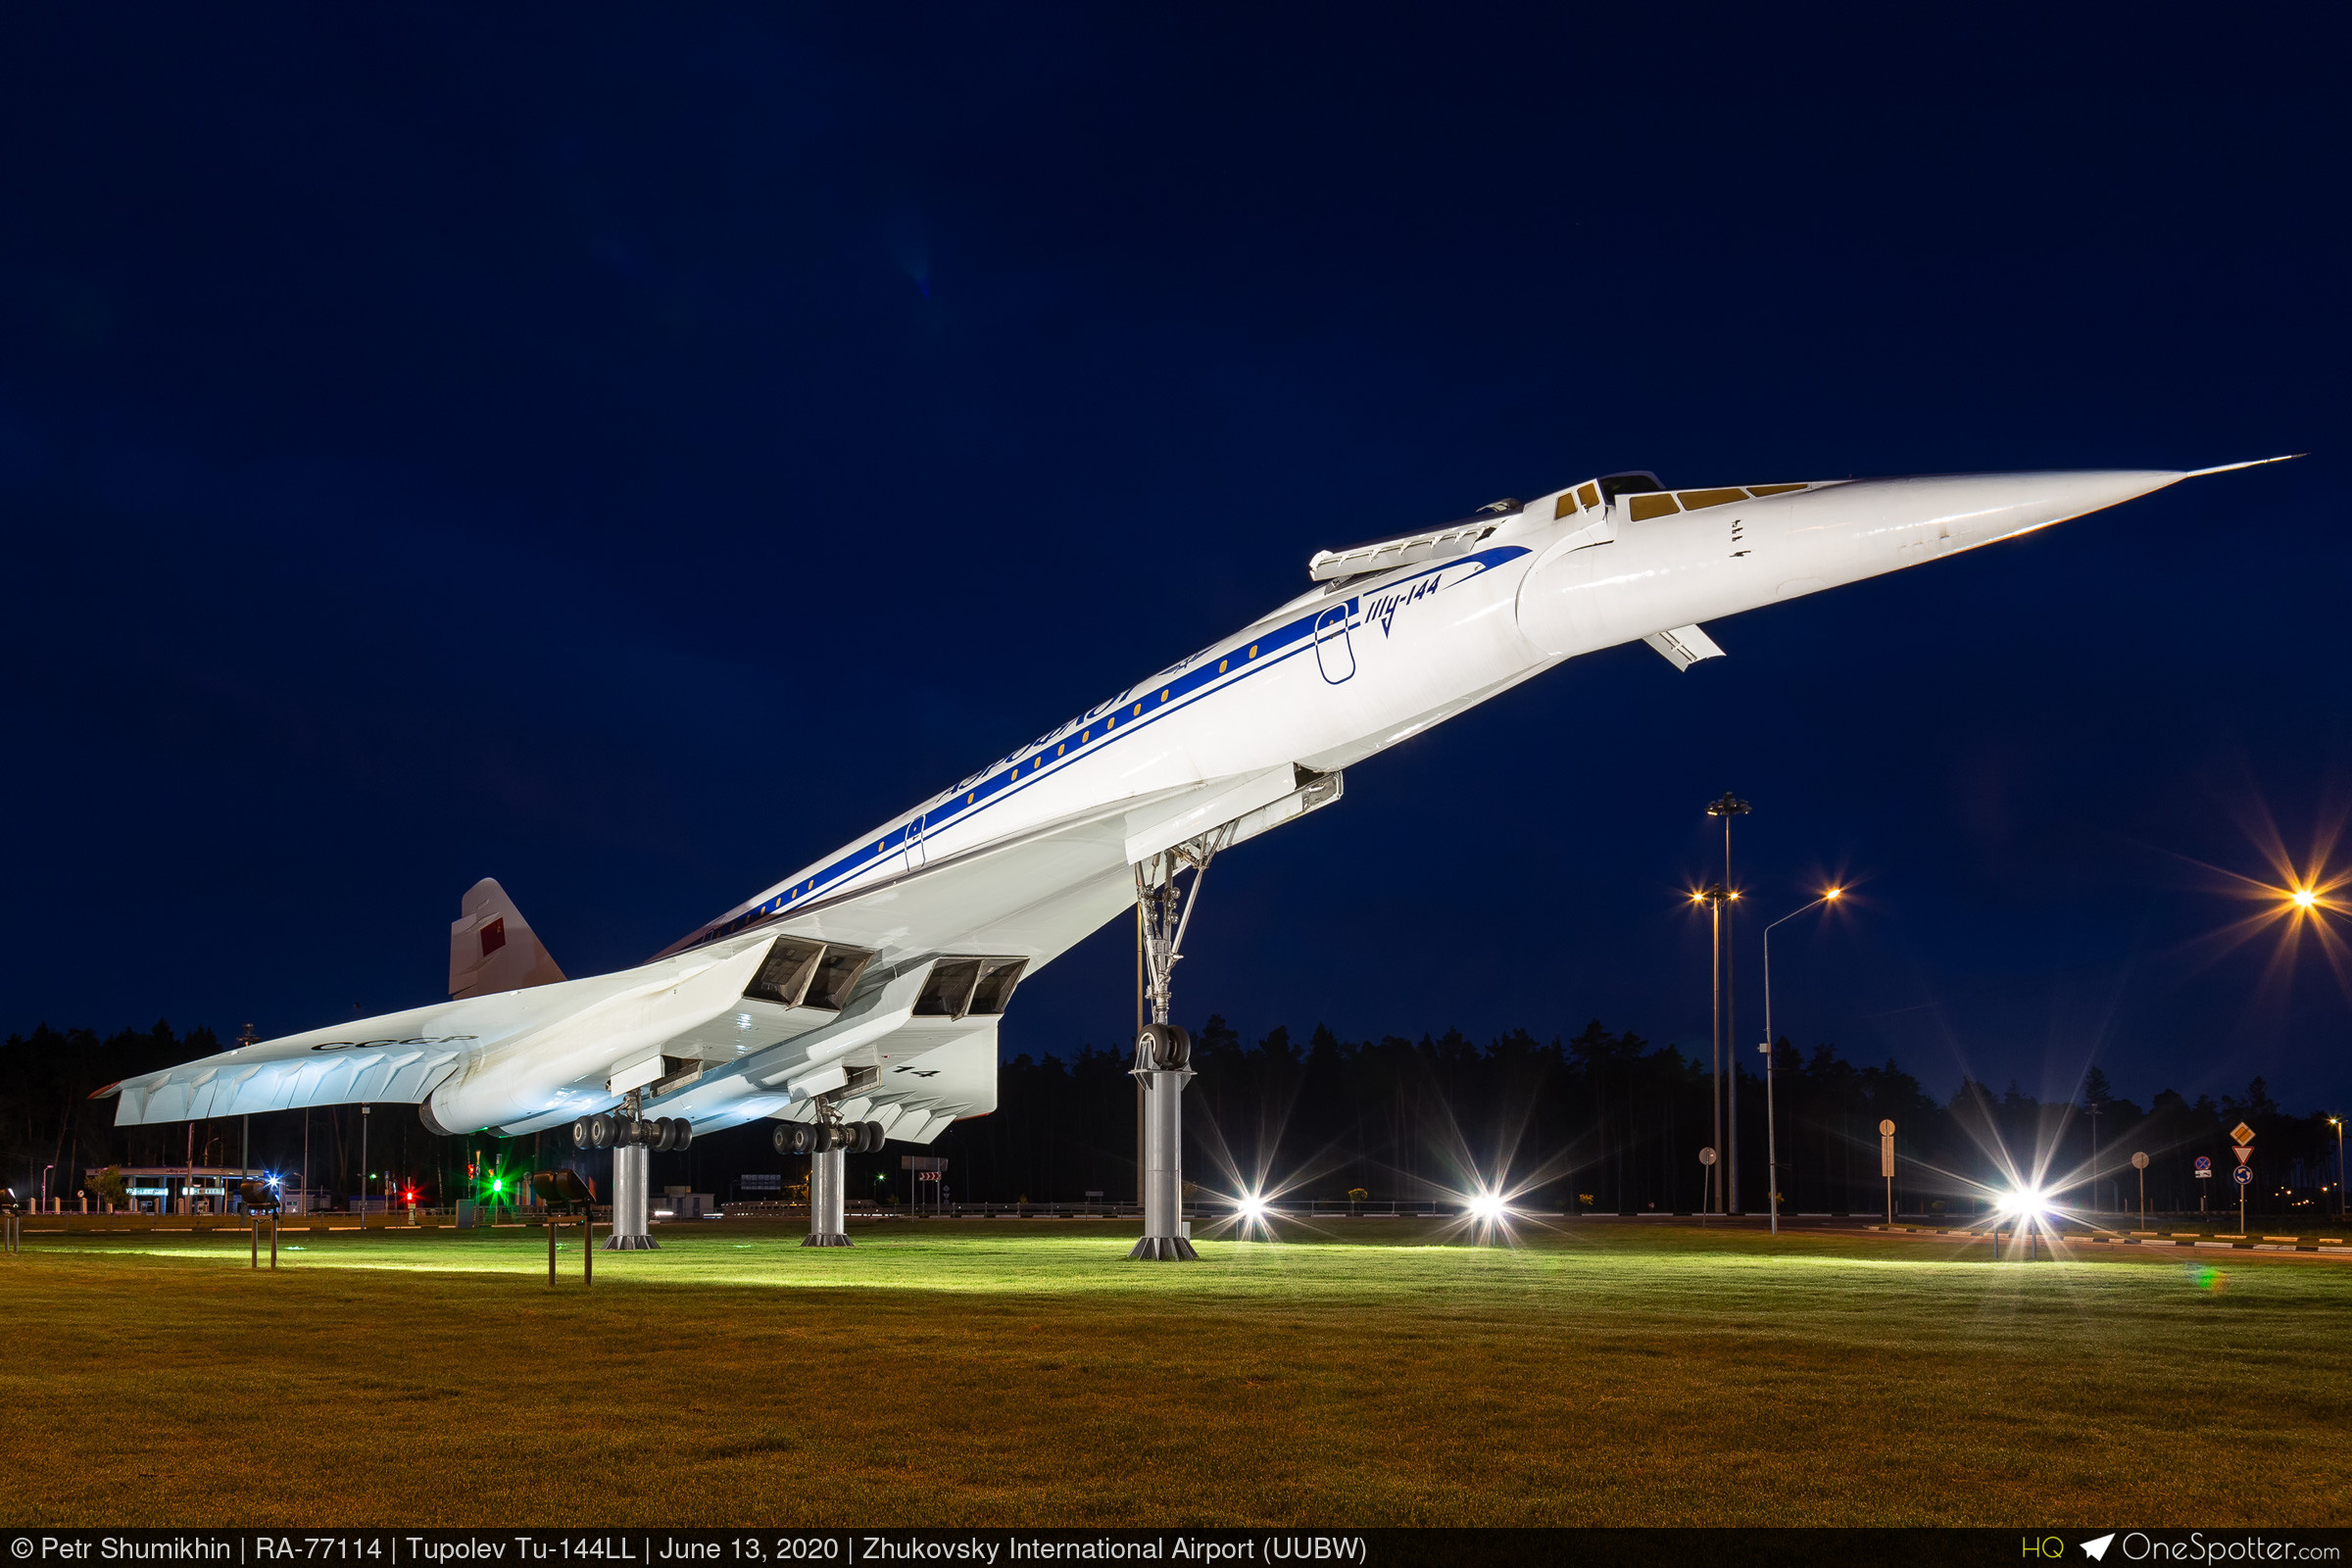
658	1131
877	1135
600	1131
1166	1048
579	1133
681	1133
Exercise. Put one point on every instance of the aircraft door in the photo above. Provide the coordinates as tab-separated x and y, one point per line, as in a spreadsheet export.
1335	655
915	853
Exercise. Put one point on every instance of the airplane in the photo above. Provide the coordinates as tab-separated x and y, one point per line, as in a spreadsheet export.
858	1001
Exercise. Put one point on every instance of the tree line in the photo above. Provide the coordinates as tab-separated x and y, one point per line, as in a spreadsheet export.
1601	1122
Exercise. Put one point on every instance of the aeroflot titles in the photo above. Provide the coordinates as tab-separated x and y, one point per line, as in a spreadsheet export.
1177	686
420	1040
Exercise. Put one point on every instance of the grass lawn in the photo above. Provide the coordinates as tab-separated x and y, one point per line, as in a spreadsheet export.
1004	1373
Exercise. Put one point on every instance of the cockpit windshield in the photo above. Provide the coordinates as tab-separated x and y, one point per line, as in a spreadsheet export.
1625	484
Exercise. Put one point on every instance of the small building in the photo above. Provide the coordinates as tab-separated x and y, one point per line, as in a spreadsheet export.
175	1189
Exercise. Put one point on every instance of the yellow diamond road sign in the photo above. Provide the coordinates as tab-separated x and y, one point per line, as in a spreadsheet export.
2241	1133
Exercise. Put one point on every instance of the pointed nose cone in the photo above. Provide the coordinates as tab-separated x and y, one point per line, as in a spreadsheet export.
1933	515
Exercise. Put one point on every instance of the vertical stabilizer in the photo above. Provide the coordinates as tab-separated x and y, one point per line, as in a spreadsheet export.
492	946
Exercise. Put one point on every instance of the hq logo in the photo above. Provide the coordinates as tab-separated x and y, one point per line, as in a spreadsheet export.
2051	1548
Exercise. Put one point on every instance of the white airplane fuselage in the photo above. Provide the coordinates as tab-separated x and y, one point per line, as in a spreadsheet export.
1026	856
1360	664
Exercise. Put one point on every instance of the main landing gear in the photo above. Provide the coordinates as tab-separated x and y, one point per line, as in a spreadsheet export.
633	1139
1163	1053
827	1142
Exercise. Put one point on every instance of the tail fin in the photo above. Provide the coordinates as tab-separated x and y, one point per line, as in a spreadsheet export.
492	948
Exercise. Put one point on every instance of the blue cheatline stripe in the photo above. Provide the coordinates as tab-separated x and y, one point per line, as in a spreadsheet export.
1256	654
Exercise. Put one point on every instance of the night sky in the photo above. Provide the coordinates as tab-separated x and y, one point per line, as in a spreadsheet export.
630	454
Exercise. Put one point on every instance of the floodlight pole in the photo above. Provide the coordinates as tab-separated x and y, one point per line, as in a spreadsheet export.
2337	1122
2091	1109
1729	807
1772	1172
1712	1194
363	1170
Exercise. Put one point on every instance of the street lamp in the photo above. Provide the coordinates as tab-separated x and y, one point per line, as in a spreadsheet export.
2337	1122
1726	1000
1772	1154
1714	897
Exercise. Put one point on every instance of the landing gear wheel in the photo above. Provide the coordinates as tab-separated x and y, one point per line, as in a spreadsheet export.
681	1133
600	1131
579	1134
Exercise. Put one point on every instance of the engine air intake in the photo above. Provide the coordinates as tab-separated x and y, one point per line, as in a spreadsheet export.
962	988
801	973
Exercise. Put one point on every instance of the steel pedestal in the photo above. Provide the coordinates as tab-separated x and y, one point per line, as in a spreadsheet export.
633	1208
828	1176
1164	1168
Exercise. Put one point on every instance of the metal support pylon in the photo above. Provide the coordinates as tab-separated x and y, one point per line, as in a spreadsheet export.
1163	1053
828	1185
632	1185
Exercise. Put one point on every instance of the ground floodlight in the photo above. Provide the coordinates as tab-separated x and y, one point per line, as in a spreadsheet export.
2026	1203
562	1186
1252	1208
1488	1206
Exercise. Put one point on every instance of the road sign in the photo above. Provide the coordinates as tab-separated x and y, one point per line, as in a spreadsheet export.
2241	1133
1706	1156
2139	1162
1885	1129
2244	1153
2204	1165
2241	1175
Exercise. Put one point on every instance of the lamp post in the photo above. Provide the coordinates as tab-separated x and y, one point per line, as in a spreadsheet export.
2091	1109
2337	1122
1772	1156
1713	898
1726	1006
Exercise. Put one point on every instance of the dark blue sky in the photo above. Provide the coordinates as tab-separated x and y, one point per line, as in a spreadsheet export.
630	454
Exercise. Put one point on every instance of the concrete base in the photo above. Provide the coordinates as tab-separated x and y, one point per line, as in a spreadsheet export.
1165	1249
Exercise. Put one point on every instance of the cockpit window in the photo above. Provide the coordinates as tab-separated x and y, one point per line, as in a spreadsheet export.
1623	484
1692	500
